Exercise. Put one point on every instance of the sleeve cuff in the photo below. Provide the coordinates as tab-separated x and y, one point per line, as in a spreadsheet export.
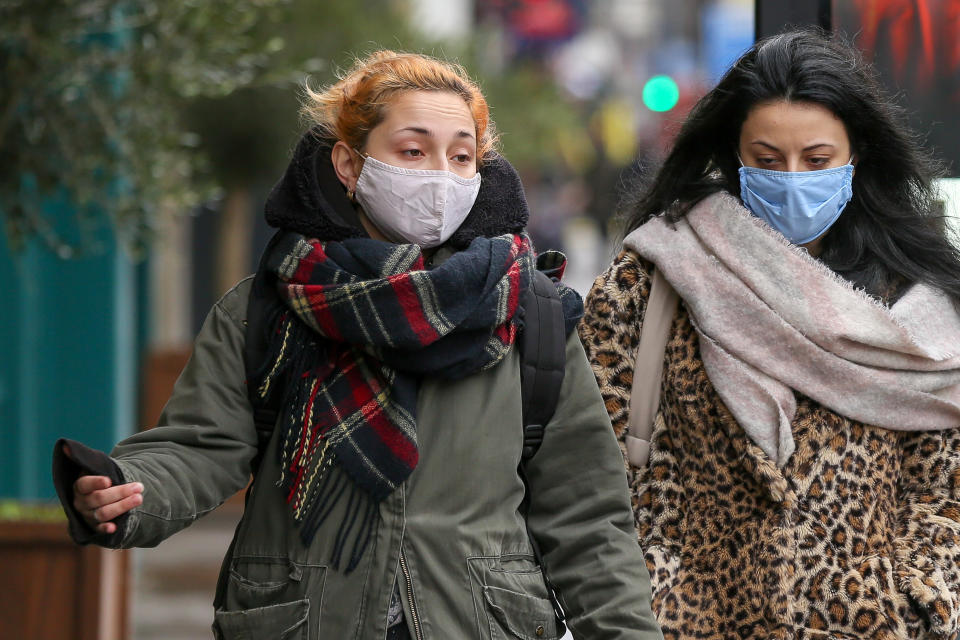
925	587
66	470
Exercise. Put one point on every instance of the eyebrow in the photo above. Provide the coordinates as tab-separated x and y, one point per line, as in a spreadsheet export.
809	148
462	133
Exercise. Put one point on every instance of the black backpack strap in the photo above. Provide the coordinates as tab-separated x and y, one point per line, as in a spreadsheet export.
263	298
543	354
265	411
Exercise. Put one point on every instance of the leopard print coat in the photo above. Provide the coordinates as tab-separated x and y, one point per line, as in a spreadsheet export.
857	537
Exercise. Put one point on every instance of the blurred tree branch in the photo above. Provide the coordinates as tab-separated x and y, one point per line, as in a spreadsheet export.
127	107
93	95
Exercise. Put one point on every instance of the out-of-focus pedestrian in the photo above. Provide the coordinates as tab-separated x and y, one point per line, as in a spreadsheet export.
386	500
803	474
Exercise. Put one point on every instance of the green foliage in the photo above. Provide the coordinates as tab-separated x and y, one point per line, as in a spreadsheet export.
93	94
127	107
16	511
532	116
89	98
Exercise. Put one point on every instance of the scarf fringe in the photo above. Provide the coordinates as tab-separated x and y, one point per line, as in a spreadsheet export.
347	354
305	451
362	513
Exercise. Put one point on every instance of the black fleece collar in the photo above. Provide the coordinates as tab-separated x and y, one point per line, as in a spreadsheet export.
309	199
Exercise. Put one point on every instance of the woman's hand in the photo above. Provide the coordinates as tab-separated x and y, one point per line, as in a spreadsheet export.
99	502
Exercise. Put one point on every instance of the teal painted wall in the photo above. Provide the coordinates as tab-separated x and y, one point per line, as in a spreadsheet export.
9	364
68	352
70	331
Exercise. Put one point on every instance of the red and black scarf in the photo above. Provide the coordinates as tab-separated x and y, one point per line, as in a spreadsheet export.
361	323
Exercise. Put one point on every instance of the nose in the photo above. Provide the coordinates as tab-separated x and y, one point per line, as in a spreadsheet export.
794	164
439	163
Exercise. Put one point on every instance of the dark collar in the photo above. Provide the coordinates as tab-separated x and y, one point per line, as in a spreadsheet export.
309	199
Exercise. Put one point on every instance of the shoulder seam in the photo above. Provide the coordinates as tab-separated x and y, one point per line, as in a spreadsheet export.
221	307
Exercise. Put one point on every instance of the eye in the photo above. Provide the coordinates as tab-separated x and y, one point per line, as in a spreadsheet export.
462	158
767	161
413	153
819	161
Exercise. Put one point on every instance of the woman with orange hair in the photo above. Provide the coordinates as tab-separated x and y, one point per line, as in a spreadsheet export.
381	417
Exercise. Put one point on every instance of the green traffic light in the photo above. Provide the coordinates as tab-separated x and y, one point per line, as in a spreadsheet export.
661	93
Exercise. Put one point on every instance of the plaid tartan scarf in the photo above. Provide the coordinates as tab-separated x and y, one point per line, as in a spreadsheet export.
361	322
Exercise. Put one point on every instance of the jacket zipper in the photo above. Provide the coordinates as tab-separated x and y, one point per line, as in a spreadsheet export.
413	604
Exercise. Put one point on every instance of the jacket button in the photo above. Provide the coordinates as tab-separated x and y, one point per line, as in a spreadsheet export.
540	630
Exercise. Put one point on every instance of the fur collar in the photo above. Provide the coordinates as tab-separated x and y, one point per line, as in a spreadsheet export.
310	200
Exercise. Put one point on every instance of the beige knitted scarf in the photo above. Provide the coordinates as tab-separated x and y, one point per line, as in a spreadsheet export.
772	320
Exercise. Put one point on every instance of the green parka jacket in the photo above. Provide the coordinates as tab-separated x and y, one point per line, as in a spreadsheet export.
452	534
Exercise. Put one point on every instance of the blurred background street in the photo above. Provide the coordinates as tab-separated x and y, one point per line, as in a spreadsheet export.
139	140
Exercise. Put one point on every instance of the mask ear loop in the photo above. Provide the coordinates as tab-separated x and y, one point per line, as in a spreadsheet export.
351	192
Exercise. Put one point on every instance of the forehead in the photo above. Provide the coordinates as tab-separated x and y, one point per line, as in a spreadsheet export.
443	111
793	123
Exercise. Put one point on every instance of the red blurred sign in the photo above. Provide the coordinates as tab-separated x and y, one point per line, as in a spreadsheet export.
537	20
544	20
923	35
916	46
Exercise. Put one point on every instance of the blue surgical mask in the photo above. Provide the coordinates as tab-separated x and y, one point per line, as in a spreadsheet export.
801	205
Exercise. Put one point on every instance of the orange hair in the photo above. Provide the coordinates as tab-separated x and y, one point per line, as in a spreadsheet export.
349	109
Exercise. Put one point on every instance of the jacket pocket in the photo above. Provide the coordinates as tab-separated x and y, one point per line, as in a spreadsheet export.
517	615
933	605
286	621
510	598
857	602
257	583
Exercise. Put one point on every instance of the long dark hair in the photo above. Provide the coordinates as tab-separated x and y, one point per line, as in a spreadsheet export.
891	233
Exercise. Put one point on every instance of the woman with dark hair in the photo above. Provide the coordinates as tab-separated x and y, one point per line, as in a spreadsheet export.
803	475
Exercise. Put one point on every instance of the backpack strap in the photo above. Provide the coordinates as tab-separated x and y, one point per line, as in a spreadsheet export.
263	298
648	369
543	355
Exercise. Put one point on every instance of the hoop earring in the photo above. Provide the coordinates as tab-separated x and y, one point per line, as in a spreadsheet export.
350	195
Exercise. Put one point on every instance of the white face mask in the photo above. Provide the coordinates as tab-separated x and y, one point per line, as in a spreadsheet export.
413	205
